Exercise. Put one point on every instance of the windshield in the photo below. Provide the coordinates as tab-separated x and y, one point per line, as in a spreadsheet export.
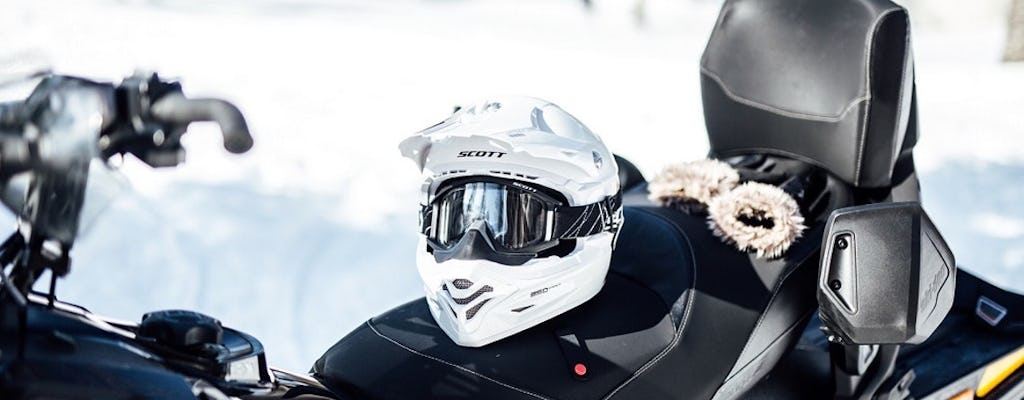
102	185
67	186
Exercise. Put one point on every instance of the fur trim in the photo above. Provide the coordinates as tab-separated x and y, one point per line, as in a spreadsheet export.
758	217
690	186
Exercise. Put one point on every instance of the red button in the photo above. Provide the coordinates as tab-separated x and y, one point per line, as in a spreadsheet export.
580	369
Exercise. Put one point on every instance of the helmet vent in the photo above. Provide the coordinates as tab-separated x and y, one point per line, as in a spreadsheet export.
507	173
466	300
521	309
462	283
449	172
472	311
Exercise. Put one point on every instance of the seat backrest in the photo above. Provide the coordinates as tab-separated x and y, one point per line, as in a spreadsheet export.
828	82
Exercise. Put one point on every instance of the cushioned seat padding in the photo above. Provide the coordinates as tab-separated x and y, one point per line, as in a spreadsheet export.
682	316
403	354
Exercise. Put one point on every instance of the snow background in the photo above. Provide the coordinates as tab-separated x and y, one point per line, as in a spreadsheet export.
313	231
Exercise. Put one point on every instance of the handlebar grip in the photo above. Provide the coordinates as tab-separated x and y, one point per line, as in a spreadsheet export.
176	108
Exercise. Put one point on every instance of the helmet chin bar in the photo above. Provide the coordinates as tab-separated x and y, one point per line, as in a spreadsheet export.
476	244
516	298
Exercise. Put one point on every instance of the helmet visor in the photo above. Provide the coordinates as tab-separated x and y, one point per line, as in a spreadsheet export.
515	218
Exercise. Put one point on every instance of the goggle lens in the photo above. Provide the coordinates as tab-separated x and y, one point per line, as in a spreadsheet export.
515	218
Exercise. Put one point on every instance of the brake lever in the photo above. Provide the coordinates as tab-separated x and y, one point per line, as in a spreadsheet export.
154	114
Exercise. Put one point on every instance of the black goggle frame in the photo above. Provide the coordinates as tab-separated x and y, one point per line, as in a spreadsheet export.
564	222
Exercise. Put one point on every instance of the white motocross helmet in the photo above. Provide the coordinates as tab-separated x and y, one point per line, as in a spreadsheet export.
519	215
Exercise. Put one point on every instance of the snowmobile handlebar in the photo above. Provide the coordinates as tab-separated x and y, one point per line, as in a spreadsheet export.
177	109
66	122
143	115
153	114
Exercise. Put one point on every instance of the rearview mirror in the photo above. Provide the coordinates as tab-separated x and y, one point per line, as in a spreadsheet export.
887	275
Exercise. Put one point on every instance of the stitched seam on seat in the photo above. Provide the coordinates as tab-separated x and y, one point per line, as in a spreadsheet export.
750	339
644	286
459	367
771	300
686	317
862	139
781	111
770	345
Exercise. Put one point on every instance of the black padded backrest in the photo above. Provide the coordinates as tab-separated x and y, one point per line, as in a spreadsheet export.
829	82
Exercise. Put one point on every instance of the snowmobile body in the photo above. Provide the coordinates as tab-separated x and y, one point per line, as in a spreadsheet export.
814	93
966	356
70	353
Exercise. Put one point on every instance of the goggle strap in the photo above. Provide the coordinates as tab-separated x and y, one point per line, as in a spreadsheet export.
426	219
590	219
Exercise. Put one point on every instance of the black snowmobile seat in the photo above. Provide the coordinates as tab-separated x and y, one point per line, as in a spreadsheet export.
829	82
680	313
403	354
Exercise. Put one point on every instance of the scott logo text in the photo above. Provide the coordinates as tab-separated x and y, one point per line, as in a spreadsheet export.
480	153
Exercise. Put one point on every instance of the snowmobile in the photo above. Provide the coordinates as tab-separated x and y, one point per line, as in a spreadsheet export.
814	95
49	349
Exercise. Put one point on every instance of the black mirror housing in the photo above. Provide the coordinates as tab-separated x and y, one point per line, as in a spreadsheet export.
887	275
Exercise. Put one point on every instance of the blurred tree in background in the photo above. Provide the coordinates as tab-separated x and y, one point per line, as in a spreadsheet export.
1015	36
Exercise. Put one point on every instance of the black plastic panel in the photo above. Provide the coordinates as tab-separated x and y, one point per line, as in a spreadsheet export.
887	276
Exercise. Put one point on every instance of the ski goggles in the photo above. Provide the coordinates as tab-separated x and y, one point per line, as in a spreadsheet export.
508	221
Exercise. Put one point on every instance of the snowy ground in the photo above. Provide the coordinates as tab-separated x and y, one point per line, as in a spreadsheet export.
312	232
